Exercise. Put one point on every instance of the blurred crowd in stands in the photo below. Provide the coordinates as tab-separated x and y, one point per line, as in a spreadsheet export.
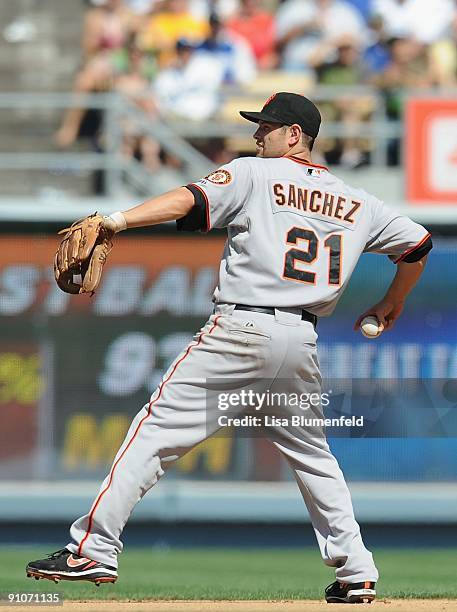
180	59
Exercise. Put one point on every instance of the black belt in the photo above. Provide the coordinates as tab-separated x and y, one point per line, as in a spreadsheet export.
305	315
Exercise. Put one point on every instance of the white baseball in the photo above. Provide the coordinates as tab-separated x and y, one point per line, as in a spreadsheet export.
370	327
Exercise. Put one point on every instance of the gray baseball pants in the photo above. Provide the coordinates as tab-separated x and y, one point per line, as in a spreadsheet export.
233	344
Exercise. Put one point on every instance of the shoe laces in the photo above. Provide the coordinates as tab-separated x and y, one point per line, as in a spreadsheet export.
56	554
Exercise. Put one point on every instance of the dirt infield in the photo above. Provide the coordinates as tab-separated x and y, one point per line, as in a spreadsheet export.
387	605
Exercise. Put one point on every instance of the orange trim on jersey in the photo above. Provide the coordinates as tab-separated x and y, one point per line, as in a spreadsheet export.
149	413
208	219
304	162
413	248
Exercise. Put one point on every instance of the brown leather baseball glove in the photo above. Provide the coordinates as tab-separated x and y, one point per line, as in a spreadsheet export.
79	261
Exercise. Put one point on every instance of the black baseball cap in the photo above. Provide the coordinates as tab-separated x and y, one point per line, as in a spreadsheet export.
288	108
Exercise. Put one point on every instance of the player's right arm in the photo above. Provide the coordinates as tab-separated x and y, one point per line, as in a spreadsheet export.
391	305
407	244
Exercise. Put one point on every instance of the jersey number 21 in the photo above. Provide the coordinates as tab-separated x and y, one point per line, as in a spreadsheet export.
333	243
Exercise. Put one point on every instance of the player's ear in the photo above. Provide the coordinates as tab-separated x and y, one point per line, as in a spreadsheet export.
295	134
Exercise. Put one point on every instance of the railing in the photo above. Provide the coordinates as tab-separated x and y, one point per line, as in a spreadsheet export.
119	170
172	135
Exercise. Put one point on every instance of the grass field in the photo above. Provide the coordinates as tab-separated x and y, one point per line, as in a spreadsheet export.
238	574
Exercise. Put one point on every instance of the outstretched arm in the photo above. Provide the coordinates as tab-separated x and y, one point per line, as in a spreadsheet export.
82	254
391	305
170	206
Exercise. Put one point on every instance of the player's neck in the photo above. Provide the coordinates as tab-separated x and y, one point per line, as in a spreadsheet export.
303	154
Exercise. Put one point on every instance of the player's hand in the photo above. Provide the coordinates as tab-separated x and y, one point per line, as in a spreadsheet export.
386	311
79	260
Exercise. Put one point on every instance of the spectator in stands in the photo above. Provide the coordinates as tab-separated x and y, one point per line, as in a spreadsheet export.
125	68
107	27
408	68
81	122
377	53
302	25
189	89
443	58
173	22
339	63
232	51
134	83
423	20
257	27
129	73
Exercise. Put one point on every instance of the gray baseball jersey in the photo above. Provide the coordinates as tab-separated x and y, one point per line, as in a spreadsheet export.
295	232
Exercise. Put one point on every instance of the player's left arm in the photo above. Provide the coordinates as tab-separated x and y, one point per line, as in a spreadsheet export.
85	246
169	206
213	201
391	306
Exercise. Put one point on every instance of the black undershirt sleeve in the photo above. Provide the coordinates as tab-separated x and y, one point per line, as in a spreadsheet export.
420	252
196	218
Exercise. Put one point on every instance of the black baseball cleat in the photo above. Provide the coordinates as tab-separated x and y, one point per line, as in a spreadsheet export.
357	592
65	565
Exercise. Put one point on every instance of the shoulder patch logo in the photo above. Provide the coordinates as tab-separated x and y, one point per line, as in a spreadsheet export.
219	177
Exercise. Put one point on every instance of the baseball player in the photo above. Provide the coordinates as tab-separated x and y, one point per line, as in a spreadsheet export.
295	233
